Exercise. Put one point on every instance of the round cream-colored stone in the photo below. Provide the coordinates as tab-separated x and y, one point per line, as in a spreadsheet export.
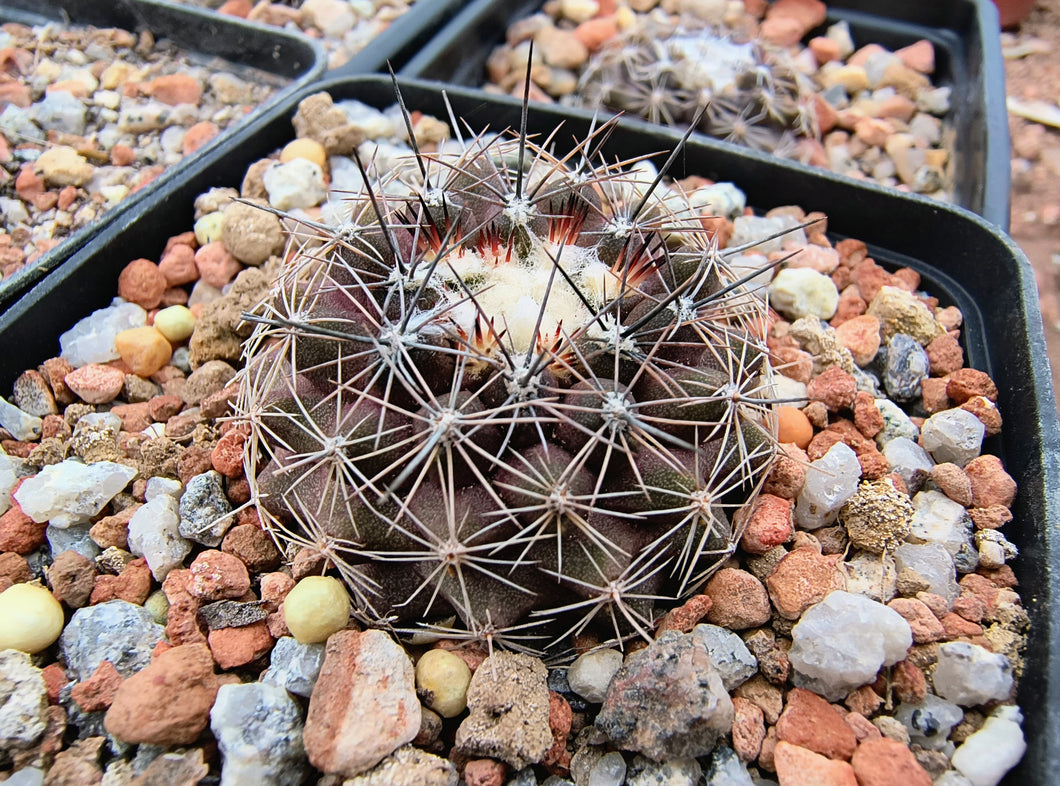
176	323
208	228
143	349
309	149
31	619
157	605
317	607
441	682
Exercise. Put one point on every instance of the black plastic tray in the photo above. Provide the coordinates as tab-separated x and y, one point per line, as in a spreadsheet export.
964	261
967	57
297	59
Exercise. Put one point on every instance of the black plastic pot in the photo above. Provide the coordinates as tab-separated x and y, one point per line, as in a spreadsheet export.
963	260
967	58
290	58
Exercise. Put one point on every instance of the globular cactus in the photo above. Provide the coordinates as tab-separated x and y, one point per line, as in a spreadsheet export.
515	389
671	71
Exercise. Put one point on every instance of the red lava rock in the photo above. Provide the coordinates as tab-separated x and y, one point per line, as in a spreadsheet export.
134	417
253	547
182	622
953	482
986	411
766	697
739	600
178	265
955	626
66	197
885	762
71	577
55	680
793	363
216	266
933	393
824	49
969	607
919	56
28	184
993	517
168	702
867	417
485	772
55	371
797	766
195	460
19	533
908	682
216	575
274	588
165	407
991	485
766	758
133	584
686	616
944	355
938	604
982	588
770	524
97	692
594	33
788	21
811	722
864	701
833	387
748	729
234	647
227	457
14	569
238	8
560	718
965	383
851	306
802	579
925	626
141	282
122	155
174	89
861	726
95	383
220	403
788	474
16	93
198	135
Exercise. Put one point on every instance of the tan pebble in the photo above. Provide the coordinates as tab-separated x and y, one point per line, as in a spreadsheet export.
309	149
96	383
64	166
144	350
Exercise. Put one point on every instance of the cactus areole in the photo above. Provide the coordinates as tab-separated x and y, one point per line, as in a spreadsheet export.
517	393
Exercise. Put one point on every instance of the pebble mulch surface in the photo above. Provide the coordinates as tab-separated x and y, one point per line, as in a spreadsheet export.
867	630
849	106
89	116
344	27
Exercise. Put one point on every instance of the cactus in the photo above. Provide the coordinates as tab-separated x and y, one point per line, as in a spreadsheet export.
669	71
522	390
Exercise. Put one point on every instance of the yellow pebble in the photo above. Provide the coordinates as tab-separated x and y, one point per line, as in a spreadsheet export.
144	350
31	619
309	149
317	607
157	605
176	323
441	681
625	17
208	228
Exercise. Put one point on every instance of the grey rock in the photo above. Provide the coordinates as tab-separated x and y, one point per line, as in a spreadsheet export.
154	534
507	703
895	423
930	722
232	614
968	674
294	665
205	510
75	538
726	769
667	701
610	770
27	776
905	365
954	435
933	563
23	701
117	631
728	653
60	111
673	772
524	777
591	673
20	423
909	460
259	731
